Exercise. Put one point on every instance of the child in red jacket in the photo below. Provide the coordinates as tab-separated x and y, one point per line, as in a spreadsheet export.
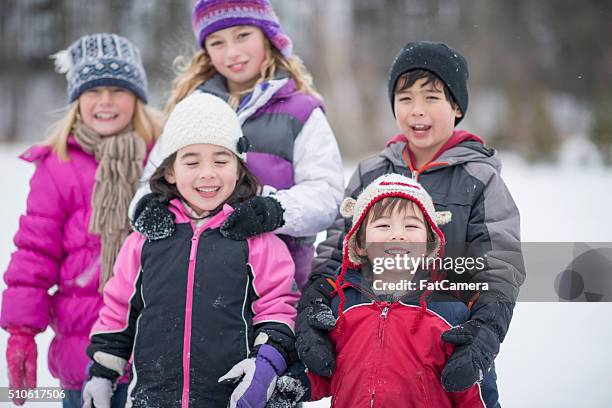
388	344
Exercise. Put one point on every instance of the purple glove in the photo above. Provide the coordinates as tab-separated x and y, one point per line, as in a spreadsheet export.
21	356
257	377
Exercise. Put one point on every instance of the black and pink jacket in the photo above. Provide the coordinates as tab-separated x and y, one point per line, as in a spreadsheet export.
185	309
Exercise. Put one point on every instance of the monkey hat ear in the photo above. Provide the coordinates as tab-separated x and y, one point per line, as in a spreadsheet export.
347	208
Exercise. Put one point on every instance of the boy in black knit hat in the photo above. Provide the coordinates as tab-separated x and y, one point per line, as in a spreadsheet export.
428	93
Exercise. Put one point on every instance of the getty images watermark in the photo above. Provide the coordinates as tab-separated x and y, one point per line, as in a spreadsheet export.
405	268
542	271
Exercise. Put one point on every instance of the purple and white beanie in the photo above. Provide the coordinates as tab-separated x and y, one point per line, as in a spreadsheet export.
101	60
209	16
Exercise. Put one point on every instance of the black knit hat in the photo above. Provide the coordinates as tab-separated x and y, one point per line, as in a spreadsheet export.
447	64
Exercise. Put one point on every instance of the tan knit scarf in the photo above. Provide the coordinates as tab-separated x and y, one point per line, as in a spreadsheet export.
120	161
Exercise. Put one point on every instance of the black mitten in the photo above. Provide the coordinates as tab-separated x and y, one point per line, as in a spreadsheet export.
291	388
314	321
253	217
152	218
477	347
477	342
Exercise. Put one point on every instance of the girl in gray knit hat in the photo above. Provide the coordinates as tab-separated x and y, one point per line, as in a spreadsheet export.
76	217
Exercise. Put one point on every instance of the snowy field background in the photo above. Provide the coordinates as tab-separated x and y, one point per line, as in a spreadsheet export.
555	355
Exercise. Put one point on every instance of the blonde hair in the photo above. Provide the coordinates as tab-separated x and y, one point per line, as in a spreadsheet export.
193	73
148	123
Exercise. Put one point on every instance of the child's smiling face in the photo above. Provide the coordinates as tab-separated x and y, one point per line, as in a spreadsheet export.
425	116
401	231
205	175
237	53
107	110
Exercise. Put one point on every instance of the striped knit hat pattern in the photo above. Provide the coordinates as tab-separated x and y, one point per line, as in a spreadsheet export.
209	16
101	60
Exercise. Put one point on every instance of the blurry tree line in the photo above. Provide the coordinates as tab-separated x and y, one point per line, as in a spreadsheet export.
540	71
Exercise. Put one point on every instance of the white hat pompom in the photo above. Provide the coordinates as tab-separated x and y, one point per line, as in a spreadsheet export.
62	61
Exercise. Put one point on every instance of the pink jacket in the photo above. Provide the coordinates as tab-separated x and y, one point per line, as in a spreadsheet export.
52	278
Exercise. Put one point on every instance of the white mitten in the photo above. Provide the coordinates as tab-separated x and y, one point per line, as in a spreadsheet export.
97	392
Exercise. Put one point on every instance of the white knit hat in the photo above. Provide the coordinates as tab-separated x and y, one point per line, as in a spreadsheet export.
203	118
389	185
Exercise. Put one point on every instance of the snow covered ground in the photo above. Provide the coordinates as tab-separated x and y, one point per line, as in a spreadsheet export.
555	355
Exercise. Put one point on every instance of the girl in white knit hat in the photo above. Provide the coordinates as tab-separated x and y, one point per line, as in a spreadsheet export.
389	351
204	318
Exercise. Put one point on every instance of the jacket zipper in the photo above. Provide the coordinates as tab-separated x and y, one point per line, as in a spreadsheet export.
415	173
381	332
188	315
381	324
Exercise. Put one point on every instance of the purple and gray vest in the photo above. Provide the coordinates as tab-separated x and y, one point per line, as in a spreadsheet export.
272	130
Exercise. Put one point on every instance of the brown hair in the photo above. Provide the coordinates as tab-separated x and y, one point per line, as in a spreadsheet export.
147	122
386	207
408	79
193	73
246	186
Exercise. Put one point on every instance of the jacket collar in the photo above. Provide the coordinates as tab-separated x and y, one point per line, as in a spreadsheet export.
263	93
462	147
182	215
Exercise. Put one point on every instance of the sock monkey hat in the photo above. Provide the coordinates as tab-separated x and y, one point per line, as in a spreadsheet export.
389	185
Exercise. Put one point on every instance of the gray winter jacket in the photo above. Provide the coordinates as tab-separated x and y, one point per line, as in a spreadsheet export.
464	179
